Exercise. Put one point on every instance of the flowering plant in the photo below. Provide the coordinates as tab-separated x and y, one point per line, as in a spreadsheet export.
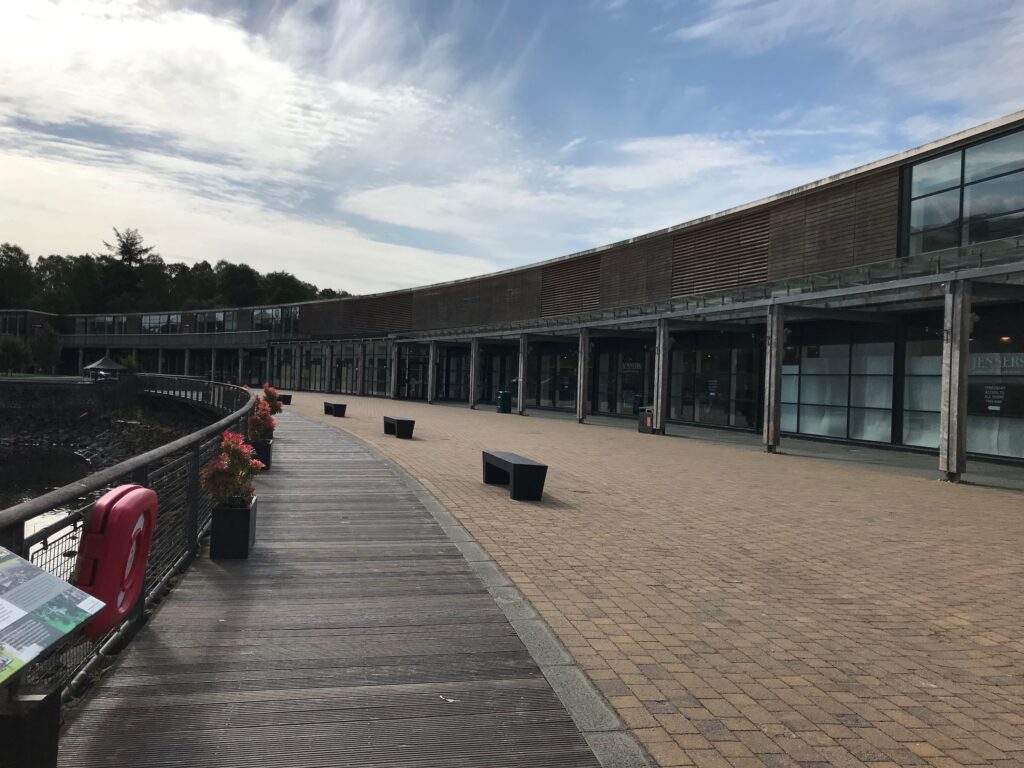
261	423
270	395
227	477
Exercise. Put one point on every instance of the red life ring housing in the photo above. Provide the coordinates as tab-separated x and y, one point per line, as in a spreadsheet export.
113	553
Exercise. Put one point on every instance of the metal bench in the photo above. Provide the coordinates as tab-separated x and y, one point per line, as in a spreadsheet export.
401	428
335	409
524	476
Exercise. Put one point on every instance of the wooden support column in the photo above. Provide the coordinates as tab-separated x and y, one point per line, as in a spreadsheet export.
583	376
396	357
524	349
474	370
662	358
241	365
213	365
775	345
361	371
432	373
81	361
160	360
956	333
187	361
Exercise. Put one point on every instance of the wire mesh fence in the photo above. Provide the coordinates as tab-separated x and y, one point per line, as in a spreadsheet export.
47	531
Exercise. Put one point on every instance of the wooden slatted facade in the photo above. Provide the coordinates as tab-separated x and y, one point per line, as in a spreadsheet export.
638	273
573	285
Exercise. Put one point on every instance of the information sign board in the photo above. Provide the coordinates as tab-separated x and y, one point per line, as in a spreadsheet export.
36	610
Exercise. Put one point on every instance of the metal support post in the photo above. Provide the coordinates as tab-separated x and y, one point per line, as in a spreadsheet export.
524	348
474	370
187	361
775	345
29	727
432	373
81	361
213	365
241	365
583	376
956	333
662	358
160	360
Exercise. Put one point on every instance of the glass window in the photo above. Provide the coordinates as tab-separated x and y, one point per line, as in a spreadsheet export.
924	357
992	198
824	420
934	175
935	240
922	393
871	424
994	157
824	390
871	391
875	357
934	211
788	422
825	358
921	429
997	228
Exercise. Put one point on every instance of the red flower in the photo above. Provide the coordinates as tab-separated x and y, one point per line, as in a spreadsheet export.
227	476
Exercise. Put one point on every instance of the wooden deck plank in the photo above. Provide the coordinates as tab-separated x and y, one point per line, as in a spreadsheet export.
355	635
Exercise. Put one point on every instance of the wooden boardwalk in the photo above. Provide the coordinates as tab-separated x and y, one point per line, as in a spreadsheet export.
356	635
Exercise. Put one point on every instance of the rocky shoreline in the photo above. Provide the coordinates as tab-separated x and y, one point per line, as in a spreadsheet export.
101	439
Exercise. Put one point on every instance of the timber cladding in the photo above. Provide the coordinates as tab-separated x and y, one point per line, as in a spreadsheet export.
843	226
569	286
637	273
496	299
369	316
721	255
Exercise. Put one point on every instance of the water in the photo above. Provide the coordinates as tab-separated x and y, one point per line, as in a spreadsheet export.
29	472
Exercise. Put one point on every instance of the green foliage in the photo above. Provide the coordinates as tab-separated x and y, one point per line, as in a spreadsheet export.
129	248
130	363
44	348
131	277
14	355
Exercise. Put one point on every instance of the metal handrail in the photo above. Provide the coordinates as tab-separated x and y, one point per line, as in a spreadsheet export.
26	510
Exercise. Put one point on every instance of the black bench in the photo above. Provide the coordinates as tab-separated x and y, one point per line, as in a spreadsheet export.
401	428
335	409
524	476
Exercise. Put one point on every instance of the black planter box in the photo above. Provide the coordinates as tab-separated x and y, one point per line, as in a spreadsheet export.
264	450
233	532
285	399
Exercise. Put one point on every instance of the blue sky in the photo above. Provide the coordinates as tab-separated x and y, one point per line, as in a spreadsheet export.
375	145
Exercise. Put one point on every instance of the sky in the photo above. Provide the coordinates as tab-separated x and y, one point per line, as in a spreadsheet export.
380	144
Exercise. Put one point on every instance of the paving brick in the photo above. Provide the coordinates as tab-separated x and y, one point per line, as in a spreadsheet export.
852	613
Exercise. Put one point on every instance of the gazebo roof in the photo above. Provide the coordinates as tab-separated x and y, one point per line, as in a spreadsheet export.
105	364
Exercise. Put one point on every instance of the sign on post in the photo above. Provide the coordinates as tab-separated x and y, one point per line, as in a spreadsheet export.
36	610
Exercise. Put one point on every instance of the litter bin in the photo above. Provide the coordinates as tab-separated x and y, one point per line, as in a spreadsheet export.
504	401
645	423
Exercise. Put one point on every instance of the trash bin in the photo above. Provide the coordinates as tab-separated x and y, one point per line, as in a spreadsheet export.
645	423
504	401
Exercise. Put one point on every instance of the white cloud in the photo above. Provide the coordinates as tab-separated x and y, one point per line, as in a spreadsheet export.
83	198
941	52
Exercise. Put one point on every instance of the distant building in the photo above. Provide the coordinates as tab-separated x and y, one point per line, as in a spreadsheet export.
881	305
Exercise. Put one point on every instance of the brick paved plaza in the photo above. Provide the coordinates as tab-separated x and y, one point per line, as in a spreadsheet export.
744	609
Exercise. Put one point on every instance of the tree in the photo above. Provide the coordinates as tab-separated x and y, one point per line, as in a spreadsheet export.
238	285
284	288
44	348
17	279
13	355
129	248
